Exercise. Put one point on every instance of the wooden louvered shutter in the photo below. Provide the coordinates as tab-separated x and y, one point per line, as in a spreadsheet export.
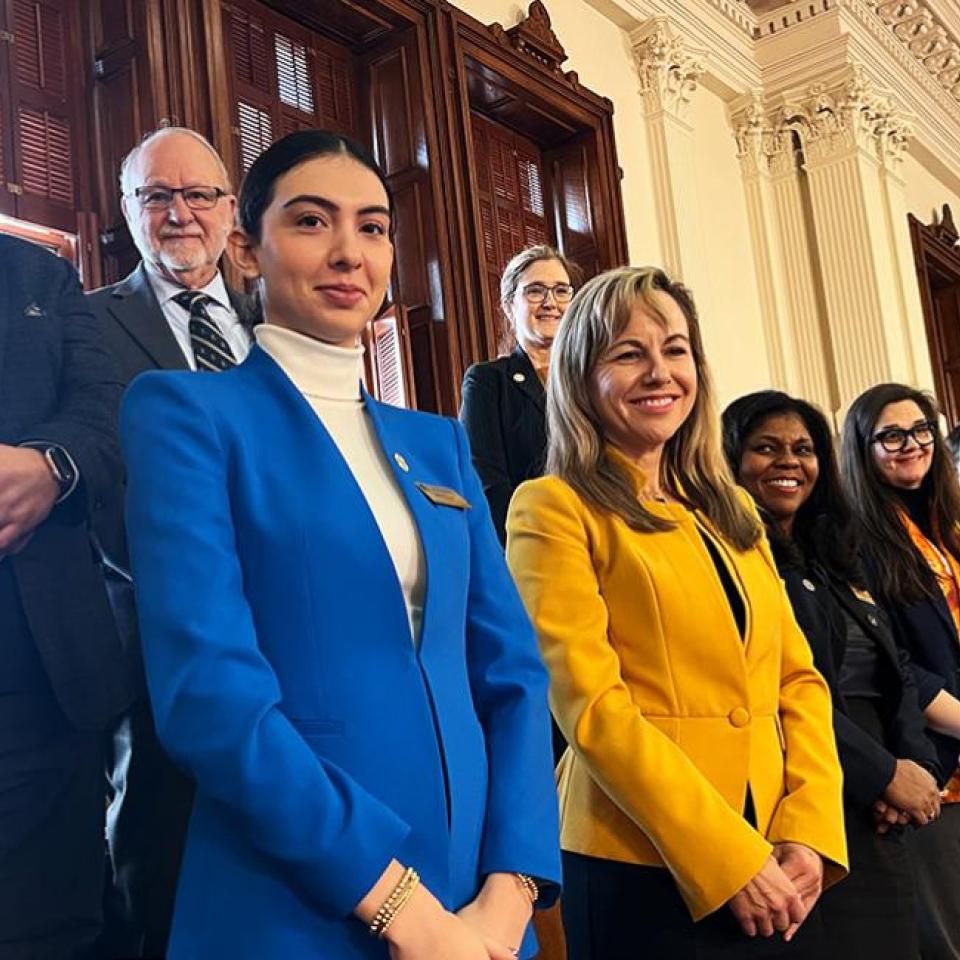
282	79
510	197
389	360
36	114
250	57
574	199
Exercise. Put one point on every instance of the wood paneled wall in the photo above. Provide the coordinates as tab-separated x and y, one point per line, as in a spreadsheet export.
420	82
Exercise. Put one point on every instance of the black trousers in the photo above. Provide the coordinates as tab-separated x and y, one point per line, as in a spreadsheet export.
935	856
51	806
620	911
871	912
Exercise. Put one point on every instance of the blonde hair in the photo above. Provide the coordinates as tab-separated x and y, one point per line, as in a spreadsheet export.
510	282
694	468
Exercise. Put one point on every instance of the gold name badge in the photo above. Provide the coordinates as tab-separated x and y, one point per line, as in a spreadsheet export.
443	496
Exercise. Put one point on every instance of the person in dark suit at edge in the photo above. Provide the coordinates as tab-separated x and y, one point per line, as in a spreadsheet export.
62	681
174	311
504	404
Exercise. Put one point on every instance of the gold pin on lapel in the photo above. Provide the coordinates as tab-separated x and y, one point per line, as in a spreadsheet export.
443	496
401	462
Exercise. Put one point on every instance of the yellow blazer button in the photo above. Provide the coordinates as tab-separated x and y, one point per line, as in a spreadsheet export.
401	463
739	716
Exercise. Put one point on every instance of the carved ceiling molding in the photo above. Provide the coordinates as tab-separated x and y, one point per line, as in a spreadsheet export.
830	118
936	49
533	37
669	69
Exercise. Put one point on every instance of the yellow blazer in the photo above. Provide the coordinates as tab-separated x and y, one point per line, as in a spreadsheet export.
670	713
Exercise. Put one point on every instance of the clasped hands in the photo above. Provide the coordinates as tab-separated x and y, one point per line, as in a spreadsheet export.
782	894
28	493
490	927
910	796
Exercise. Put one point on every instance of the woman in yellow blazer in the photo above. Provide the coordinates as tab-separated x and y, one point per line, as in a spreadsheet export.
701	734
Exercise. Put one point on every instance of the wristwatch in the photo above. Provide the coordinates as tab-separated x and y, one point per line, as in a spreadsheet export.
62	467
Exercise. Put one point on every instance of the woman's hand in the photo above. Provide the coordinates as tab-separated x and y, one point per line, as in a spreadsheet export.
886	816
424	930
913	791
804	868
499	914
768	903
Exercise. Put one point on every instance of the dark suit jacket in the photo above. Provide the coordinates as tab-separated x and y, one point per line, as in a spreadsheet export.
868	765
504	413
139	338
926	631
152	798
58	384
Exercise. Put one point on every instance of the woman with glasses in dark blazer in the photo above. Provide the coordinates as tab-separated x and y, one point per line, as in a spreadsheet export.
903	490
504	403
781	449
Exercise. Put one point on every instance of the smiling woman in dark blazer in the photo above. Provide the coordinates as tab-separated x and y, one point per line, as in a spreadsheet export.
781	450
504	403
903	489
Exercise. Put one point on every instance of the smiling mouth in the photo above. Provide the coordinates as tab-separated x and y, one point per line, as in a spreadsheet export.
655	403
784	483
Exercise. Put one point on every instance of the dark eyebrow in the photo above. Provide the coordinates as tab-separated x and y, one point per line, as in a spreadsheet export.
896	426
333	207
630	341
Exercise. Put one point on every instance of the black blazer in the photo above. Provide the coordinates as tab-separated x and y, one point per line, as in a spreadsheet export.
819	602
926	632
58	384
504	412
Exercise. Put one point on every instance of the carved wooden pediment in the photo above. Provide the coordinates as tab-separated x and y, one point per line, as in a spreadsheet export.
533	36
945	230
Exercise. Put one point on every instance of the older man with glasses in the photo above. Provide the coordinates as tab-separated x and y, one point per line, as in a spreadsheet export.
174	311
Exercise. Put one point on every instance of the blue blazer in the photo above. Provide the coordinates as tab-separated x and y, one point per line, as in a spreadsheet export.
284	679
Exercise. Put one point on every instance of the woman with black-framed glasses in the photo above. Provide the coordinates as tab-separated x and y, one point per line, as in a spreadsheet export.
903	490
504	404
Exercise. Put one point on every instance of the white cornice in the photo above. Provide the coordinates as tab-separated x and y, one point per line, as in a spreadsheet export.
790	46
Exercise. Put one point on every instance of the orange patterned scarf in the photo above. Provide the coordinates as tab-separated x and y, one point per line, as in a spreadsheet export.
946	569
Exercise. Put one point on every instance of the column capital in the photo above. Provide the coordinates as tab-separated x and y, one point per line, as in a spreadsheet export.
764	145
669	69
844	114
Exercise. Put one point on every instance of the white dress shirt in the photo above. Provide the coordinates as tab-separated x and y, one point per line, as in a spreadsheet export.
220	310
329	379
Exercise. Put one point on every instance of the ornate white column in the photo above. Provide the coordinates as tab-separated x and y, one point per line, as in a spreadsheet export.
853	137
797	351
669	74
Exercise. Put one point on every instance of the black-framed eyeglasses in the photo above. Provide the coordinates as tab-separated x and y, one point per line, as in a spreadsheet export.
197	197
894	439
538	292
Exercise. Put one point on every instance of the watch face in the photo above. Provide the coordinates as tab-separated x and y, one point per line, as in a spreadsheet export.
60	465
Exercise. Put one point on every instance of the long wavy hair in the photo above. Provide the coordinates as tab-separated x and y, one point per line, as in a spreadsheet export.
693	465
824	531
903	574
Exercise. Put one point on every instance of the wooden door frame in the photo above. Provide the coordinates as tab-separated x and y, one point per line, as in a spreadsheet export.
935	250
527	56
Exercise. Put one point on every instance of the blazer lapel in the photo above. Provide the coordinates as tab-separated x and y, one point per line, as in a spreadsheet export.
137	310
524	378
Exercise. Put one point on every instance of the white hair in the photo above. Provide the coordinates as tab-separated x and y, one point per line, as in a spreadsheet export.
129	163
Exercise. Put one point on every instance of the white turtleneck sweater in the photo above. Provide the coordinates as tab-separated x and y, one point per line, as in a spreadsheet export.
329	378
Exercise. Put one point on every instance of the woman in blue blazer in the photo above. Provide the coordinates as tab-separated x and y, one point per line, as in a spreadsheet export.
334	648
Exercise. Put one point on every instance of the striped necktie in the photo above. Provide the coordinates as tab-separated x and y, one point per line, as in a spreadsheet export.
210	349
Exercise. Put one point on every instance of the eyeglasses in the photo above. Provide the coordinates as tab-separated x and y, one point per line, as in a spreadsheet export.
537	292
894	439
196	197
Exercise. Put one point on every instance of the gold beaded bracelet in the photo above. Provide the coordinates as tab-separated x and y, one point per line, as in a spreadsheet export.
530	887
395	902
